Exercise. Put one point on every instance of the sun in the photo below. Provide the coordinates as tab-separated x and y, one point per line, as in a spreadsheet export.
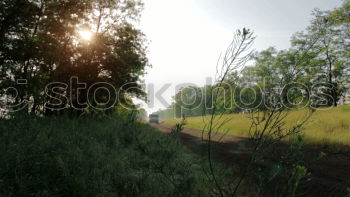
85	35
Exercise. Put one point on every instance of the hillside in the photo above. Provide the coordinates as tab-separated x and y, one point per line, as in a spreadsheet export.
326	126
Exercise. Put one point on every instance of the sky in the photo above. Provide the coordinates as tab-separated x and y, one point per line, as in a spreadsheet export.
186	37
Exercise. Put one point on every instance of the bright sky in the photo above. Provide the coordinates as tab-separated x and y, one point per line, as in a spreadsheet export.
187	36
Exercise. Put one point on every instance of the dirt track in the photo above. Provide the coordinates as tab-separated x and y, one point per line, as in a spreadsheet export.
330	176
226	148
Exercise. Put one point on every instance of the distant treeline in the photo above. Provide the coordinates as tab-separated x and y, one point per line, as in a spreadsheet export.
314	72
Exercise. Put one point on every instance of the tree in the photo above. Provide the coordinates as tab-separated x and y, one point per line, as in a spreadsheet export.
326	43
40	42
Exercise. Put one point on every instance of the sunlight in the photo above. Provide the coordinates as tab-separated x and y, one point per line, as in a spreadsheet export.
85	35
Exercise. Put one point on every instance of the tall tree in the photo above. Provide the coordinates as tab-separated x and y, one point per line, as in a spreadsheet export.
326	42
47	41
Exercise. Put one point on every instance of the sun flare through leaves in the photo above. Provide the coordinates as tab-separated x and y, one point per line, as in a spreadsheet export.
85	34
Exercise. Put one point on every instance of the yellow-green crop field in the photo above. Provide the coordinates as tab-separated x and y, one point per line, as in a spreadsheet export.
325	126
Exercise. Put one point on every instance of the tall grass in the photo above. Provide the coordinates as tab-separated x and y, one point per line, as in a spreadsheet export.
326	126
63	156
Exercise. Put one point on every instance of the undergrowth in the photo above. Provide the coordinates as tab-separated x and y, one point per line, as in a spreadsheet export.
64	156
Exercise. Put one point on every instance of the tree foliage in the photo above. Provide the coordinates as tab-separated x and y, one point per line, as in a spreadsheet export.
40	43
314	71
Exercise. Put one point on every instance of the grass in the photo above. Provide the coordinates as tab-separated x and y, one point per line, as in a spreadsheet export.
110	156
113	156
326	126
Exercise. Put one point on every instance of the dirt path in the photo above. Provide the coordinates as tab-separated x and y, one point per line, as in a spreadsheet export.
330	176
226	148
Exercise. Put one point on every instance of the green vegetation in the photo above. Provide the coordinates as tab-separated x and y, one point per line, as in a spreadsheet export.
68	126
314	72
113	156
66	51
326	126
